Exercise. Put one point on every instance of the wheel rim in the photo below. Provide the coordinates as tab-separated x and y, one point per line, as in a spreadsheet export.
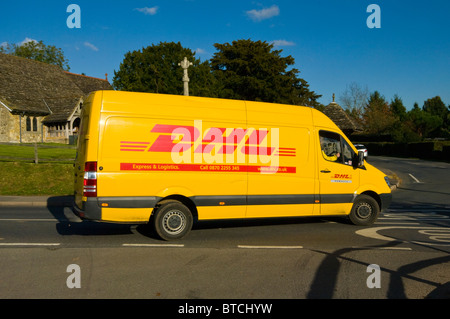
174	222
364	210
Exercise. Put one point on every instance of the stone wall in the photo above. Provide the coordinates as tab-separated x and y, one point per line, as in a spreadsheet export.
37	132
10	128
5	120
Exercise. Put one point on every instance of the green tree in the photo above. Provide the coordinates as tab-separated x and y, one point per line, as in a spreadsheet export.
378	117
436	107
422	122
155	69
38	51
400	132
397	107
253	70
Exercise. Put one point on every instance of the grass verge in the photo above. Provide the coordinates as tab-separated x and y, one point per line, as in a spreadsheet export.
46	152
26	179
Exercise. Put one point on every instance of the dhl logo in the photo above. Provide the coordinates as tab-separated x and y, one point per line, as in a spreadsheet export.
221	141
342	176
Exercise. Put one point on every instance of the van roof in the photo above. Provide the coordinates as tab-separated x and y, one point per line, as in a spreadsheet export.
140	103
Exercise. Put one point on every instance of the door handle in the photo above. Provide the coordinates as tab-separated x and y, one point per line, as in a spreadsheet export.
325	171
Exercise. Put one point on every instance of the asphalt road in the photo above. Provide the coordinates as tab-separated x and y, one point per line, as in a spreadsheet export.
276	259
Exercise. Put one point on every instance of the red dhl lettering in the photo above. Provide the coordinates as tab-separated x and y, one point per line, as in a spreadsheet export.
342	176
213	138
176	138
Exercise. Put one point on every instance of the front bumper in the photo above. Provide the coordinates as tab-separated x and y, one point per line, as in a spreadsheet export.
386	200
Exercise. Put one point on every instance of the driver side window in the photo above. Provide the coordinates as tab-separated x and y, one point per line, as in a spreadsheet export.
334	148
330	144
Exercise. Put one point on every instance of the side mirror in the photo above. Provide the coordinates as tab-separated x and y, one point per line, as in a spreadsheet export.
358	160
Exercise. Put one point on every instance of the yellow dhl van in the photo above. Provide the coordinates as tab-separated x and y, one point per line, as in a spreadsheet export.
170	160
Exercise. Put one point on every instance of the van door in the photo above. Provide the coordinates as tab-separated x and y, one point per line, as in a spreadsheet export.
338	180
80	159
288	189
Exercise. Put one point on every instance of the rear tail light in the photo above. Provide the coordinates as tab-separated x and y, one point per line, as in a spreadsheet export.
90	179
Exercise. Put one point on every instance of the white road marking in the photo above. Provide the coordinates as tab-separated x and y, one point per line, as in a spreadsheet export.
415	179
269	247
442	235
384	248
373	233
395	223
152	245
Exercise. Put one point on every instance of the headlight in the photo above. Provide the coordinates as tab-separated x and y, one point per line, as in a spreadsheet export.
387	181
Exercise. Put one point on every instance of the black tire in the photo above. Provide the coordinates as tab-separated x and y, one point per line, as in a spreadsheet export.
365	211
172	220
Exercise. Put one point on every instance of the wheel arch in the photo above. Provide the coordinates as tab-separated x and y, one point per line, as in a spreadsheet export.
374	195
182	199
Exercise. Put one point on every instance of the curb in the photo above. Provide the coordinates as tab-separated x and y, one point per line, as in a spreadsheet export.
36	201
394	184
393	178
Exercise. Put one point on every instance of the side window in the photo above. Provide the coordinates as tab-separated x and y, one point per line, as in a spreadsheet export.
35	125
28	121
335	148
330	144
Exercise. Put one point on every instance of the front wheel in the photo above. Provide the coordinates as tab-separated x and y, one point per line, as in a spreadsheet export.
365	211
172	220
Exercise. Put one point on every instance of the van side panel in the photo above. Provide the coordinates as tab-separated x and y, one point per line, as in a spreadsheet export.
289	190
139	164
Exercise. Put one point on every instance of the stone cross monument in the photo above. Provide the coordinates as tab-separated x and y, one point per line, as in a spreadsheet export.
185	64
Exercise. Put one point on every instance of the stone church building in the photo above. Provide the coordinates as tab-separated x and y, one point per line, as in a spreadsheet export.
40	102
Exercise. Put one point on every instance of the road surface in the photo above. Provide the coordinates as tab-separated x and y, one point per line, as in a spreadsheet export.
271	259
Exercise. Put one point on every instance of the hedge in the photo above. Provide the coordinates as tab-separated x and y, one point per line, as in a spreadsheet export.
424	150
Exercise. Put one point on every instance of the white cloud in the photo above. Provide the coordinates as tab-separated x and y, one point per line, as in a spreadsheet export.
200	51
27	40
282	43
148	11
90	46
263	14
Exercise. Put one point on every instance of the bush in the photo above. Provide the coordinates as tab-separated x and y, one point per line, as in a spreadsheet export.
425	150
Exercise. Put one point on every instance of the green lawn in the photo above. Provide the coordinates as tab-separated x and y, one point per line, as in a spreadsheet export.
27	179
46	153
20	176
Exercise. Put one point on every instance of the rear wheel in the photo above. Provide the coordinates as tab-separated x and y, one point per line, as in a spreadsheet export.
365	211
172	220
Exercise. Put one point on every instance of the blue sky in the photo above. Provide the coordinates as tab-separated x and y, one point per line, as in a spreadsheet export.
329	39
